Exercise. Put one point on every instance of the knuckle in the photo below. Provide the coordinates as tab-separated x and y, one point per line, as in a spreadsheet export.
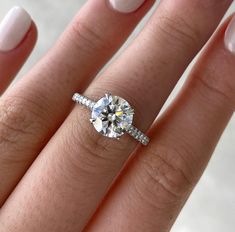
17	118
210	4
177	31
220	89
88	37
166	176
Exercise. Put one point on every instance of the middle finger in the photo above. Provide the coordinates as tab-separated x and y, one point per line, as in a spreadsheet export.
80	163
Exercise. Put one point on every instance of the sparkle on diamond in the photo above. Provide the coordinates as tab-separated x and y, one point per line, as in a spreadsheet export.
112	116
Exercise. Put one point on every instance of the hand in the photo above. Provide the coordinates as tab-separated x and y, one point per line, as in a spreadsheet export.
56	169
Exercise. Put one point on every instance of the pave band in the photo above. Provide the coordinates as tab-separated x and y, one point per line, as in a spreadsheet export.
112	116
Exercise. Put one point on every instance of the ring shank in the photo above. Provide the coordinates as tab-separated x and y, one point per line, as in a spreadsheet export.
132	131
83	101
138	135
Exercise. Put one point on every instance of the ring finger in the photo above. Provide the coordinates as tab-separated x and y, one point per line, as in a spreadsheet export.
36	106
85	163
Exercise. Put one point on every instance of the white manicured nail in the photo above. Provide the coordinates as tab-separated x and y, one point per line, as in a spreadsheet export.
126	6
229	37
13	28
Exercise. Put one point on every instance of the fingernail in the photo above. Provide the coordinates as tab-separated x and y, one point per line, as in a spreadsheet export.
13	28
229	37
126	6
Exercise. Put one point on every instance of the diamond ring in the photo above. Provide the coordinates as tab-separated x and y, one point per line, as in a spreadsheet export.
112	116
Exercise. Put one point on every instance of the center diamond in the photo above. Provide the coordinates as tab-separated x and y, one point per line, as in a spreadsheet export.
112	116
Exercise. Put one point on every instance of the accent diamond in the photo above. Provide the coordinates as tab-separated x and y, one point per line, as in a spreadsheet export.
112	116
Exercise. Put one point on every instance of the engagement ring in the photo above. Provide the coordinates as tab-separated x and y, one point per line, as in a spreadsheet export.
112	116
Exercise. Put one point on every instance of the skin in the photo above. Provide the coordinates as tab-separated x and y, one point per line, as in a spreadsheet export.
63	170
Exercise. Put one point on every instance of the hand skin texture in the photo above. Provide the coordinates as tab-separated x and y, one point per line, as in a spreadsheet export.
57	173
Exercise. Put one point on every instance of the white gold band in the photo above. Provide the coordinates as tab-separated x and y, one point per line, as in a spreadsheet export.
83	101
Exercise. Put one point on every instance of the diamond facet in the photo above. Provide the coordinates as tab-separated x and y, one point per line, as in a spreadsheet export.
112	116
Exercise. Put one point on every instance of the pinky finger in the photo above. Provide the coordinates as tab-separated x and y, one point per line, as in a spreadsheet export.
18	35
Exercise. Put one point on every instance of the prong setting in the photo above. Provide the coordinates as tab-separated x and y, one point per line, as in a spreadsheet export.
92	121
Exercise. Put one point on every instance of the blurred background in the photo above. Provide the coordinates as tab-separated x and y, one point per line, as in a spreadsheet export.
211	208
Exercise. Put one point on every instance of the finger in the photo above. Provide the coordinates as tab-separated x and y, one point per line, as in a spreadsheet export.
36	106
17	38
156	184
86	163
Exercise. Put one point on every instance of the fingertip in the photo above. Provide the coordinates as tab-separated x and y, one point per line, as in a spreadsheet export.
229	35
11	61
30	38
13	28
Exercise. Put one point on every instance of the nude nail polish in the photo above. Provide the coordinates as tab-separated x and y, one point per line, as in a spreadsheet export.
229	38
126	6
14	28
